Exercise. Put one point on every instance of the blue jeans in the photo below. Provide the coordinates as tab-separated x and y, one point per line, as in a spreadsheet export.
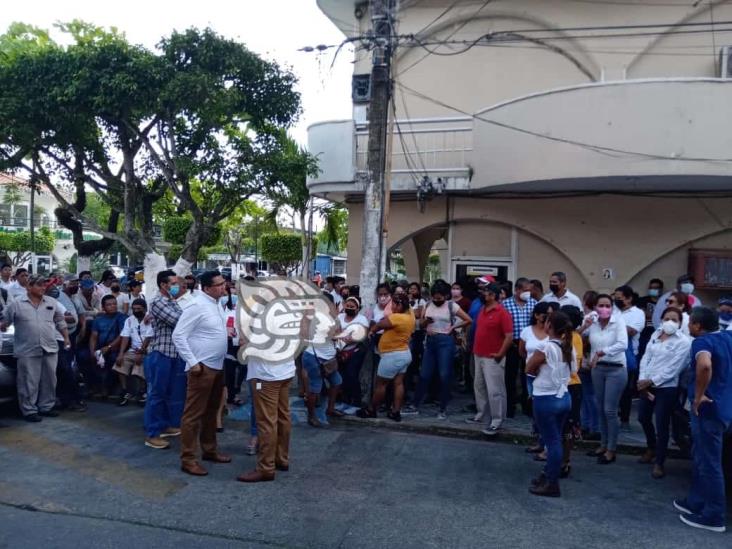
550	413
315	376
609	382
439	353
252	416
166	392
662	405
590	419
706	495
351	372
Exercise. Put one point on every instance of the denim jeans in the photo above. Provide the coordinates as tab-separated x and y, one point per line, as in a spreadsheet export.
609	383
590	417
439	353
351	373
706	495
662	405
550	413
166	392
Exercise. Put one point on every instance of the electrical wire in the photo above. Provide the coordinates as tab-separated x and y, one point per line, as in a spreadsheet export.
440	16
600	149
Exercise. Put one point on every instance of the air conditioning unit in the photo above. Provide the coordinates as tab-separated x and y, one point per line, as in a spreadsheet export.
361	88
725	62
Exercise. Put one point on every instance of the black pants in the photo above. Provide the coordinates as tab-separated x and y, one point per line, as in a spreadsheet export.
513	366
234	374
626	401
67	377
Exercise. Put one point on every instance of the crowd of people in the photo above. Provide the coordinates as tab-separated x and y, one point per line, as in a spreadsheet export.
574	365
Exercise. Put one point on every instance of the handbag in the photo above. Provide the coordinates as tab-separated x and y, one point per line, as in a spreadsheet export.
328	366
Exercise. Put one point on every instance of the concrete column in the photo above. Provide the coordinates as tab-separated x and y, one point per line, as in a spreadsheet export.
411	261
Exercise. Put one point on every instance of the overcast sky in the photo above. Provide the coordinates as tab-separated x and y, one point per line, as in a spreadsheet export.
273	28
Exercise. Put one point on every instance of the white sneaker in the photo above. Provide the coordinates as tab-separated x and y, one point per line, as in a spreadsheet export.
491	431
442	415
473	421
410	411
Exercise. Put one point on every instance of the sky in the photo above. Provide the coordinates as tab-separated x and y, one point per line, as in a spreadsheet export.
275	29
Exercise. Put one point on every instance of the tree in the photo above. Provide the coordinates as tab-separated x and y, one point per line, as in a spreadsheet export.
197	117
19	244
282	251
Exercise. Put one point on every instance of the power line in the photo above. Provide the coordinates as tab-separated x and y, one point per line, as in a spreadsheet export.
609	151
440	16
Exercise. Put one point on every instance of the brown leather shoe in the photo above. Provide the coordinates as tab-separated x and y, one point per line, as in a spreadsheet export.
194	469
282	467
217	458
255	476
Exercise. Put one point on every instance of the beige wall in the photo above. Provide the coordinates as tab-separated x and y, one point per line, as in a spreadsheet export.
637	237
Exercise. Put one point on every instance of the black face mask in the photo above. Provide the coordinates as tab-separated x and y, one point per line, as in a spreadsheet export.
350	312
438	303
554	288
139	314
191	286
620	304
115	288
482	298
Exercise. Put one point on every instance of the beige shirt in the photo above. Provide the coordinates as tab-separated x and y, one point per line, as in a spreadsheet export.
35	327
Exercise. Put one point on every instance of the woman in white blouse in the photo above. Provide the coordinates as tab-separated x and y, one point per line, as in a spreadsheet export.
666	356
608	338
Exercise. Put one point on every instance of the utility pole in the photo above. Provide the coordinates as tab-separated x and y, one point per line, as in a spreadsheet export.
374	196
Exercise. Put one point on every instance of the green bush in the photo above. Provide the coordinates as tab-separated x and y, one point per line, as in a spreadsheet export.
175	229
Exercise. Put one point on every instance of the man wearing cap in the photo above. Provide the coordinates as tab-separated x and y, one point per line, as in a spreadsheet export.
36	317
493	337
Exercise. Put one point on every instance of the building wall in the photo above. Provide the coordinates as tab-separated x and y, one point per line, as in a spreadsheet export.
636	237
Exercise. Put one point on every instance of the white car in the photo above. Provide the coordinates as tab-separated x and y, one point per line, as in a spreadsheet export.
262	274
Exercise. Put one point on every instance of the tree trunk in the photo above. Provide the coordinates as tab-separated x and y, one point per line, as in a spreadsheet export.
305	246
83	263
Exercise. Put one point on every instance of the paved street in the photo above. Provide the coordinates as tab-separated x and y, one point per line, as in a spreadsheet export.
87	481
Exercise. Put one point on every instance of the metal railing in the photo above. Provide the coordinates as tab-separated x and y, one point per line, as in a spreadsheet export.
24	222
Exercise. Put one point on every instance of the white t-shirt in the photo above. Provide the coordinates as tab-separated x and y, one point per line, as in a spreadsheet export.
553	375
123	298
258	369
344	323
636	319
137	332
6	285
531	342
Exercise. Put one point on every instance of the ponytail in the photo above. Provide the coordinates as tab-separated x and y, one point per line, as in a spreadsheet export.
563	329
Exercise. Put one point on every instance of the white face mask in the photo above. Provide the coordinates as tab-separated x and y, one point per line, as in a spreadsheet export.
525	296
669	327
687	288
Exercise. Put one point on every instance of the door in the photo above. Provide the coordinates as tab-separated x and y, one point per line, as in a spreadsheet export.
501	269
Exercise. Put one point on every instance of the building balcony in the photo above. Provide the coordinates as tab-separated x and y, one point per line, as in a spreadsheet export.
660	135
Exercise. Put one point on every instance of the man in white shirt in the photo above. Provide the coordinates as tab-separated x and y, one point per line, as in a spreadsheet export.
5	273
685	284
136	337
19	288
635	321
201	338
558	292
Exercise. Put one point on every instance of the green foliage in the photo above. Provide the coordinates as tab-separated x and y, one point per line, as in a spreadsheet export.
13	194
175	230
20	241
281	249
334	236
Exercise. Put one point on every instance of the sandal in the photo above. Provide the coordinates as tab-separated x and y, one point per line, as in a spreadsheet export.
534	449
539	457
335	413
365	413
314	422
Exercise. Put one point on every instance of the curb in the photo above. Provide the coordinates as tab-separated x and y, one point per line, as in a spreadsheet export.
505	437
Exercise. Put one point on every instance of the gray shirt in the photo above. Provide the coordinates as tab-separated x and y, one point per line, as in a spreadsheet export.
35	327
72	308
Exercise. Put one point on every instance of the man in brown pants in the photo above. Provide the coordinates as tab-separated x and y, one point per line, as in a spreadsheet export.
201	339
271	385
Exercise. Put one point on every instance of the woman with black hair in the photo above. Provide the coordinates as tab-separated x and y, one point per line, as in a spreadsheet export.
572	429
552	364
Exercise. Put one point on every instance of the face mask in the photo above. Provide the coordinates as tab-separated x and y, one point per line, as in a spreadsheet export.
525	296
384	299
174	290
604	312
87	284
191	286
726	317
73	290
438	303
115	288
554	288
620	304
53	292
687	288
139	314
350	312
654	292
669	327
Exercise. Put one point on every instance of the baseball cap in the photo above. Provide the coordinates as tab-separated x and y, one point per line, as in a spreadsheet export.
71	277
485	279
726	300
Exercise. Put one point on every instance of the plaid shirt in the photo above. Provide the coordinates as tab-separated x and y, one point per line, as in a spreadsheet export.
165	313
521	315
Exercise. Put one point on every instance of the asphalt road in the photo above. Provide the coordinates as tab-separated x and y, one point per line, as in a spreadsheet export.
86	480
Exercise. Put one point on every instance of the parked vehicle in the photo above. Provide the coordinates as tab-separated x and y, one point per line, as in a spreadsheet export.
8	387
